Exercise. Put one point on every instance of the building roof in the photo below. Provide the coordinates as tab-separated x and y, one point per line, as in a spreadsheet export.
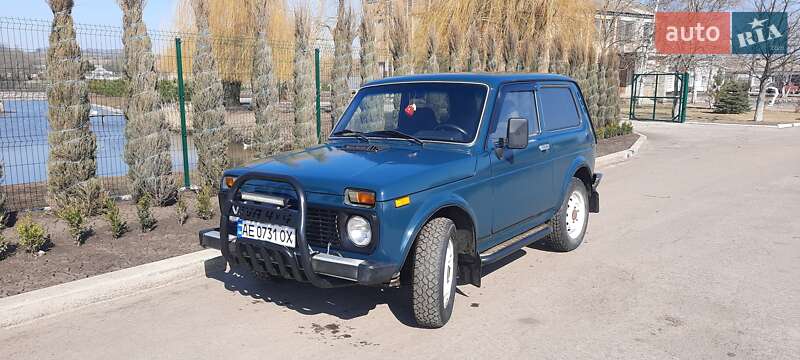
491	79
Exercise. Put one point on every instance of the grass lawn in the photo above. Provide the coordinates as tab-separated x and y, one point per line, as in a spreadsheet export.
704	114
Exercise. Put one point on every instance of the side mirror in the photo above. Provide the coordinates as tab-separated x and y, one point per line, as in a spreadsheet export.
517	137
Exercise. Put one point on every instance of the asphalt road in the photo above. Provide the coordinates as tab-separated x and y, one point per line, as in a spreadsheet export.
695	255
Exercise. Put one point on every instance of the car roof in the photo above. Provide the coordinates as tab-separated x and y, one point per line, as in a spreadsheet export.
490	79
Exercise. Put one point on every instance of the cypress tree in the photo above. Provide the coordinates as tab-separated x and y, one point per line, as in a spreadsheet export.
2	201
72	163
399	46
367	35
272	133
208	117
494	56
343	60
305	132
431	48
147	148
475	59
455	50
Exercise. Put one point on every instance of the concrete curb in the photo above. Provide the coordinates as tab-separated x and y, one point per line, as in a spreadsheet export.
25	307
623	155
50	301
768	126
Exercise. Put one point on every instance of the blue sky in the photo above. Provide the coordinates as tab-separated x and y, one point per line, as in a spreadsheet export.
157	13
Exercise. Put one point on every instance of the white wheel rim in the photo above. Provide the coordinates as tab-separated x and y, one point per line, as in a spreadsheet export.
449	273
576	214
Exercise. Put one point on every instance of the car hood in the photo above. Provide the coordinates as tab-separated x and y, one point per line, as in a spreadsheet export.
390	171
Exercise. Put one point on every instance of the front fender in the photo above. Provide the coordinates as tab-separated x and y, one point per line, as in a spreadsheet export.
424	213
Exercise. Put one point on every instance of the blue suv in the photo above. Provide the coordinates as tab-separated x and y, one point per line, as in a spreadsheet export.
424	180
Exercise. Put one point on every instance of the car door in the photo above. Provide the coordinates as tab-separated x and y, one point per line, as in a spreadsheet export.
562	127
521	178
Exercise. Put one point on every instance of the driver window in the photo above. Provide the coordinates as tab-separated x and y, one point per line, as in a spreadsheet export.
517	104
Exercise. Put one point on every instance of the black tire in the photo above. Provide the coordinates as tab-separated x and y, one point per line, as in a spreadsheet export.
560	239
432	308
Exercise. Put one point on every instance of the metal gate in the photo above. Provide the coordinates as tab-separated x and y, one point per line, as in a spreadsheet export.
659	96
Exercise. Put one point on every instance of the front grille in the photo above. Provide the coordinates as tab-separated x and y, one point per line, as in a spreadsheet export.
322	227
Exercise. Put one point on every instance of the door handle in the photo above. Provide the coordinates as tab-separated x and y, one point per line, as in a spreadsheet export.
544	147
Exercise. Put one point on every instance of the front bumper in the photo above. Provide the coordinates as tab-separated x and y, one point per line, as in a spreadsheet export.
283	262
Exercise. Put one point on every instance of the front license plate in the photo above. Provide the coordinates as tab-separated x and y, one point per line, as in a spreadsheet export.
276	234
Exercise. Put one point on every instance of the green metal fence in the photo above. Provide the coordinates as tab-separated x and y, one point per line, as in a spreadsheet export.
659	96
24	126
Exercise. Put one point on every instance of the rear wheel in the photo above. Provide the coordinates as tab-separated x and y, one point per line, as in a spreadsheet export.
434	273
569	222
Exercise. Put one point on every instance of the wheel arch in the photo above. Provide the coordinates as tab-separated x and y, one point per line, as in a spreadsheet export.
579	168
457	210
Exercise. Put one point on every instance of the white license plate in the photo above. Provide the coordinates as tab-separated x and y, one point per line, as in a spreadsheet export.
276	234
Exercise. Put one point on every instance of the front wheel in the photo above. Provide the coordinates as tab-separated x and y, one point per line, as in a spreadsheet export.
569	223
434	273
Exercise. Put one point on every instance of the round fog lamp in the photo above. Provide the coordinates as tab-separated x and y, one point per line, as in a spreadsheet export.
359	231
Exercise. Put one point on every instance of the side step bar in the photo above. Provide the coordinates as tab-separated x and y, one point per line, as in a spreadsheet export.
510	246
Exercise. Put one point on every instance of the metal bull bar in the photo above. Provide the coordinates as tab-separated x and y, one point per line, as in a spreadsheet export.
301	254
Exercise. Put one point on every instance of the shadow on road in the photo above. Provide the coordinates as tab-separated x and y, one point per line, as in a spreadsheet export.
344	303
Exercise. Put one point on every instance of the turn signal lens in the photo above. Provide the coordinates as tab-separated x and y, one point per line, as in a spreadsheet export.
228	181
360	197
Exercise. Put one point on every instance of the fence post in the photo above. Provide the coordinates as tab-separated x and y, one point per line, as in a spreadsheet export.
319	107
182	104
685	92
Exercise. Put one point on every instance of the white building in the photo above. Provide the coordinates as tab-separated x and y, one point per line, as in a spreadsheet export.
100	73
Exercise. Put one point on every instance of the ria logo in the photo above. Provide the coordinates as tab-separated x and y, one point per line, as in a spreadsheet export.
759	32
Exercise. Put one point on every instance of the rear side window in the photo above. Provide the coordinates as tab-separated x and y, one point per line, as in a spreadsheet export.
557	108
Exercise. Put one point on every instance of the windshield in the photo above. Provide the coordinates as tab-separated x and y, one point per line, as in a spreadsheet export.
427	111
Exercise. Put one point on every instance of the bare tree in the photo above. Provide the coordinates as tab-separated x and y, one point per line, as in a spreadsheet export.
147	147
766	63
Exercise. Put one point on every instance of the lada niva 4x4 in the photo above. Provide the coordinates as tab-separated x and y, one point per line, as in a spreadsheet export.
422	182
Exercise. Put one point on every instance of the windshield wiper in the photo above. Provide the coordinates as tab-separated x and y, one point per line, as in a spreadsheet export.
398	134
351	133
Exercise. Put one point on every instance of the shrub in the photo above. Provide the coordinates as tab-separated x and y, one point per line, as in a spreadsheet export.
181	210
614	129
76	223
204	210
113	88
32	236
115	221
5	247
732	98
146	219
168	90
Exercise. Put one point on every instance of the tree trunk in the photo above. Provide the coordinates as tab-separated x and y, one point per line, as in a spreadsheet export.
762	94
232	90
